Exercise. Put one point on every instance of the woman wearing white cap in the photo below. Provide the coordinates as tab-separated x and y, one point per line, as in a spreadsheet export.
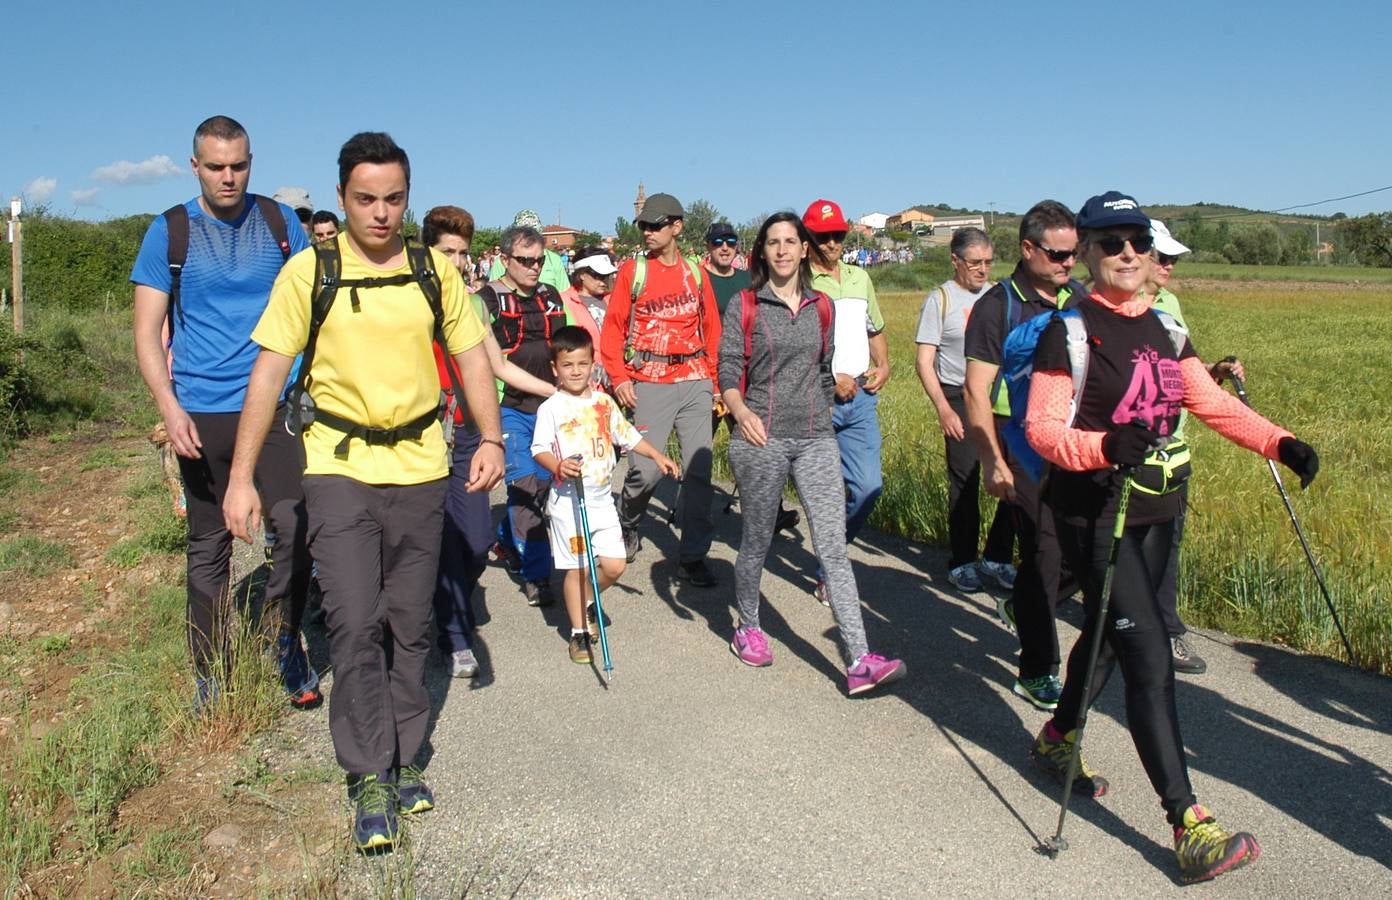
587	298
1163	257
1101	439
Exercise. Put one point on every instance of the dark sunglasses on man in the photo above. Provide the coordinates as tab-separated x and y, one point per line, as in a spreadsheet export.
528	262
656	226
728	241
1059	256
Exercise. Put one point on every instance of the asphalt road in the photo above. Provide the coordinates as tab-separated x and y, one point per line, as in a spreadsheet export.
693	775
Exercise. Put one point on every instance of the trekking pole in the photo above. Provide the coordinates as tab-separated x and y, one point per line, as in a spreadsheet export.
594	579
1057	842
1299	532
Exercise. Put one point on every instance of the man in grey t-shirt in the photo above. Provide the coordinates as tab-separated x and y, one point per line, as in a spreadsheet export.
942	367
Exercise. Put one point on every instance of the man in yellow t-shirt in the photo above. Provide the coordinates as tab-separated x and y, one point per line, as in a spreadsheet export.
375	489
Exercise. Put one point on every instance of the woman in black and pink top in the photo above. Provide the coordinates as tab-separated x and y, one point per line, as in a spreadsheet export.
1136	384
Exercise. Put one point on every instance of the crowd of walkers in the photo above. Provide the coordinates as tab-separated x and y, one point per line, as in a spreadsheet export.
299	373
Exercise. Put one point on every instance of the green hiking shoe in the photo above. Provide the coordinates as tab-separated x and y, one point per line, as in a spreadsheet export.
412	793
1204	850
374	819
1042	692
1053	757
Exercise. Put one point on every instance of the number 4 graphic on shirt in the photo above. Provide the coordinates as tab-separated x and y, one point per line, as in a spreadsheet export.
1141	401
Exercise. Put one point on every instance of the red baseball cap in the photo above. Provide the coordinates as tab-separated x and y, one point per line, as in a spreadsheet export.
823	216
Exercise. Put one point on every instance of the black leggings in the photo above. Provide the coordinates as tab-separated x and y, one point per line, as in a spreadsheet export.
1136	638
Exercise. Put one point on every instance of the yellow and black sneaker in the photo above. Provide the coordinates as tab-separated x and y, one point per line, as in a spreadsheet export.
413	795
1052	752
374	819
1205	850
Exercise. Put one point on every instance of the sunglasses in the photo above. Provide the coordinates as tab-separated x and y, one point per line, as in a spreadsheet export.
828	237
1166	259
1059	256
728	241
655	226
1112	245
528	262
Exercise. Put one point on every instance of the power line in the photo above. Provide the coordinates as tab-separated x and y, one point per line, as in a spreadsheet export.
1297	206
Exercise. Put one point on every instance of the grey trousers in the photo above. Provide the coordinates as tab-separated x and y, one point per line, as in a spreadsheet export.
815	465
687	407
377	548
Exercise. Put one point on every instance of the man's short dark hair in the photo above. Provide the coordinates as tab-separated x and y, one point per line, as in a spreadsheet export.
964	239
375	147
322	216
224	128
520	236
1042	216
568	338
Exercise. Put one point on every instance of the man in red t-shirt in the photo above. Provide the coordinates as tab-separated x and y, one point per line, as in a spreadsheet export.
659	345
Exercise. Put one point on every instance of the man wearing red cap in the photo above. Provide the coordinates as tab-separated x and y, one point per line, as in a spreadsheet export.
860	363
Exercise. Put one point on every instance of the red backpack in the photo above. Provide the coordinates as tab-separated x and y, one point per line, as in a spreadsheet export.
749	309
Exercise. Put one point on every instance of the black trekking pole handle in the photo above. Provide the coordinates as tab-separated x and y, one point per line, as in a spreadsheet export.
1299	531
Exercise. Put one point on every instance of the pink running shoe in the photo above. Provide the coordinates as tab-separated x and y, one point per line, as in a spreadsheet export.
872	670
751	646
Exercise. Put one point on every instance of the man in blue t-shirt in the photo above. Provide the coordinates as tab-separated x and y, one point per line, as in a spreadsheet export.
234	253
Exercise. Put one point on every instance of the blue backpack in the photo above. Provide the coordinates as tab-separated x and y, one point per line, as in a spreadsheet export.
1018	365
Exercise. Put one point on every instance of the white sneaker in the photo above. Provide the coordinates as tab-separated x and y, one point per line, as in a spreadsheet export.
463	664
1002	574
965	578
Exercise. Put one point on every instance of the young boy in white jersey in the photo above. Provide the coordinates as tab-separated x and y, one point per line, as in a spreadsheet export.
576	432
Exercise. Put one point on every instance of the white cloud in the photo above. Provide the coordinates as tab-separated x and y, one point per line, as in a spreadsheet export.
40	189
145	172
85	196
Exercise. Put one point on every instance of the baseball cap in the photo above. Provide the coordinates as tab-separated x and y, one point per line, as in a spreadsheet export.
598	263
823	216
720	230
293	197
1111	209
659	207
526	218
1164	241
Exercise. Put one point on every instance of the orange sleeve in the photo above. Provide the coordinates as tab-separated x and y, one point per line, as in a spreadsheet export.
1046	425
1226	414
710	325
614	333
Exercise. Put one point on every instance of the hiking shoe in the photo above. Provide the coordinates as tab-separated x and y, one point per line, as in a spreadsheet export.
374	819
787	520
538	593
580	649
1204	850
751	646
1053	757
506	555
872	670
698	573
633	542
1186	661
1003	574
298	678
207	692
413	795
592	623
463	664
1043	692
965	578
823	597
1005	611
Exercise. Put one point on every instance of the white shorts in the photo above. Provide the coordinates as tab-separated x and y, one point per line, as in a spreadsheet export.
563	527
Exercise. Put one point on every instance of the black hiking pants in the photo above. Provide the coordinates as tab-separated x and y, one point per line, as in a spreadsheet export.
1136	639
277	478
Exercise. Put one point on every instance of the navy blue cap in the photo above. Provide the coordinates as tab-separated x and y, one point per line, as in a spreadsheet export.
720	230
1111	209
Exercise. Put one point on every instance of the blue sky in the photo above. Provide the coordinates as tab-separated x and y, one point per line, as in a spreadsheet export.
563	108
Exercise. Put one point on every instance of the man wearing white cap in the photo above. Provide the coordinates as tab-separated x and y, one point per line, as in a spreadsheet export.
1164	255
298	200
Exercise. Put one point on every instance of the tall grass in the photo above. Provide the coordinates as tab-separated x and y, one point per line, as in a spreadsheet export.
1316	362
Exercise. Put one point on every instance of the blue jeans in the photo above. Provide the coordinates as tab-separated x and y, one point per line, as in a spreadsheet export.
524	526
857	425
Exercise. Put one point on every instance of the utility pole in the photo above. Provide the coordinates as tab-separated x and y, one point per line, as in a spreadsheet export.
17	263
992	204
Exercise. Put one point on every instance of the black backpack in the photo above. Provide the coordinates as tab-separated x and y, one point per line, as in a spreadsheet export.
176	218
328	272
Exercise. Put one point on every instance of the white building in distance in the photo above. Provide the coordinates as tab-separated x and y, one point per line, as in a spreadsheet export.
874	220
